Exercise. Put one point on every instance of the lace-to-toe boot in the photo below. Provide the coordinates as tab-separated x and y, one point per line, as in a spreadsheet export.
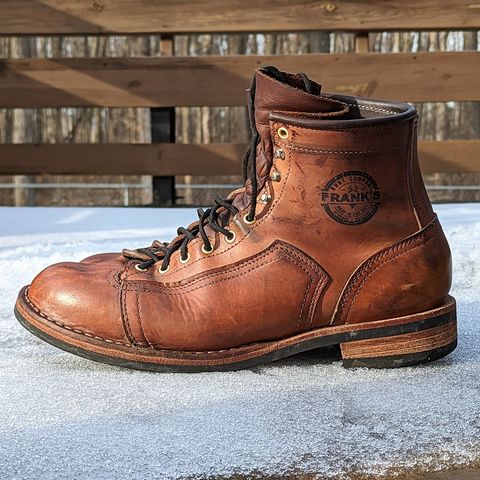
332	240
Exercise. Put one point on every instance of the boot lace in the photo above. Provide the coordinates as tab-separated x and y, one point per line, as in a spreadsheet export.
213	217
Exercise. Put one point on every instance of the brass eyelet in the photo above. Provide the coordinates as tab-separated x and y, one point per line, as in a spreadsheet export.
160	269
275	176
265	198
247	221
232	238
139	268
282	132
185	260
205	251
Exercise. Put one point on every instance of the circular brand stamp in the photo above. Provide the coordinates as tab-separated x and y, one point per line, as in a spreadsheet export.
351	198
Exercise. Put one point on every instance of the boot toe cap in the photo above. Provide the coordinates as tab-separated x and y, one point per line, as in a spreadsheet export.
80	298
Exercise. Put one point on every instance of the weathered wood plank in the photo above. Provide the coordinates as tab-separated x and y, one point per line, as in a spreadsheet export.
221	80
449	156
161	159
180	159
183	16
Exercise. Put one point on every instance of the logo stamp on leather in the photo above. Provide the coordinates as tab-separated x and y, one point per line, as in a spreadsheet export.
351	198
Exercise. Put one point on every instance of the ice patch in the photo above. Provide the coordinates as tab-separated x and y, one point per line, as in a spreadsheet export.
75	217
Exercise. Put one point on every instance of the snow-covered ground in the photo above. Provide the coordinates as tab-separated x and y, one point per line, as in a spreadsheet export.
64	417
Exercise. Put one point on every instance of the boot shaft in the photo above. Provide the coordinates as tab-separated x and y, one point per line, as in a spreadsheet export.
344	134
362	172
354	191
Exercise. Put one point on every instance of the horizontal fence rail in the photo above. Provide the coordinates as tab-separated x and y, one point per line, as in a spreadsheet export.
169	81
28	17
189	159
221	80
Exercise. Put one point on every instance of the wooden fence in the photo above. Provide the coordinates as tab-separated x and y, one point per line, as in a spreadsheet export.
166	82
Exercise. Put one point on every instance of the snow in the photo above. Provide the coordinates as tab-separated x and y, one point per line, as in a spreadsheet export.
63	417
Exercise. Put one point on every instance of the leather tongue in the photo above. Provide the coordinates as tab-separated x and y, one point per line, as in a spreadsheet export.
288	94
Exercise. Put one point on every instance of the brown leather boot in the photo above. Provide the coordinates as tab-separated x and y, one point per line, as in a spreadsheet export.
331	241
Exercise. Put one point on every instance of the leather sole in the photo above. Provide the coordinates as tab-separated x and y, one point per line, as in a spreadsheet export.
396	342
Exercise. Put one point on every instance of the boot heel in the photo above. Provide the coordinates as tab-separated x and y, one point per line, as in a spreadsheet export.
423	343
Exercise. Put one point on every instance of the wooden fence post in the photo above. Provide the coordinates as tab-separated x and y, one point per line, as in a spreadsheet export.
163	131
361	42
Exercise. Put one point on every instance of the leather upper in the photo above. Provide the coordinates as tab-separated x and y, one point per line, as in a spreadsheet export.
346	234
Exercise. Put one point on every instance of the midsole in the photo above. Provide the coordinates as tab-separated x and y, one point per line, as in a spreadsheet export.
312	339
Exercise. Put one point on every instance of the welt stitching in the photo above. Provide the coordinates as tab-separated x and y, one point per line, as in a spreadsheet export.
408	250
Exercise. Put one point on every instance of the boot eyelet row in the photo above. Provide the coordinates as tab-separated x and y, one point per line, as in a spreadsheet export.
139	268
283	133
279	153
232	237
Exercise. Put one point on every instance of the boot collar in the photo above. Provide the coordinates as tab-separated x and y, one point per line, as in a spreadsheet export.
363	112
